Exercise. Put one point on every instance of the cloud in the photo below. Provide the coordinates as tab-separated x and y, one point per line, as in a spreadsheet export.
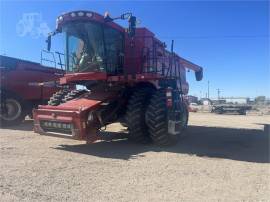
31	24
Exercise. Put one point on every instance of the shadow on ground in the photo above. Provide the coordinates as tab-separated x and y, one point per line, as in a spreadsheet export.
26	125
207	142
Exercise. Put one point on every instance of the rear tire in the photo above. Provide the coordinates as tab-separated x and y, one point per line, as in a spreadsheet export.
157	121
14	112
135	116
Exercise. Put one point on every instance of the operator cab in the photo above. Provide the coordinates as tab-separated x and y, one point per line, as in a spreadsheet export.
93	47
91	43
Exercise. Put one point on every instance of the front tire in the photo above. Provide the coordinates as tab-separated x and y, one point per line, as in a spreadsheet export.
135	116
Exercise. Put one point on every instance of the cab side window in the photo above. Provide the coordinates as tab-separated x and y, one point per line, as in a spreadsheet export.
114	50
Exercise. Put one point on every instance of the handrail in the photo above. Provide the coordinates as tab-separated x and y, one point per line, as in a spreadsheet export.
53	60
45	59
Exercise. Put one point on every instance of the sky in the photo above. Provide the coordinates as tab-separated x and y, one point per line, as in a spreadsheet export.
229	39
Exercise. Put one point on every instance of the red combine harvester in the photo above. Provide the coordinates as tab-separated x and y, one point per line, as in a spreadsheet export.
24	85
129	75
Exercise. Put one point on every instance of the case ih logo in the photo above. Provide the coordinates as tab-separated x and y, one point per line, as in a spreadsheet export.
32	24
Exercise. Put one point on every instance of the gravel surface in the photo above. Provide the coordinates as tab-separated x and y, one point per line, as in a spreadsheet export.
222	158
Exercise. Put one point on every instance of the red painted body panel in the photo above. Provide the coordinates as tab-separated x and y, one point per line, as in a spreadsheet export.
143	53
74	112
75	77
23	77
83	103
95	17
62	116
146	60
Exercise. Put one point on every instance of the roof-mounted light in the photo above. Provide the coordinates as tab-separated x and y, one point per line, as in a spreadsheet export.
80	14
61	18
89	14
73	15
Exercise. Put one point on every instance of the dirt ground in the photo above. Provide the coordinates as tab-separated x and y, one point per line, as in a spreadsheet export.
222	158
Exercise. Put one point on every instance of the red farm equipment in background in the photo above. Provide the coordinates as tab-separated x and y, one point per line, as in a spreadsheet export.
24	85
129	77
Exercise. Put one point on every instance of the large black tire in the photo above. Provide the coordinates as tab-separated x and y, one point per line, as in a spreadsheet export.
73	94
184	120
57	98
135	115
157	120
14	111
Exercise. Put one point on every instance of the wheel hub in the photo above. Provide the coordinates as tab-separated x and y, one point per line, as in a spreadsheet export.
12	111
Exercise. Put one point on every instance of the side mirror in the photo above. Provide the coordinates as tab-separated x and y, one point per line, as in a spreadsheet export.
132	26
199	75
107	17
49	41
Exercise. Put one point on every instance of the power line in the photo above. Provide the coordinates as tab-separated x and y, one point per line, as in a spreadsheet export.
215	37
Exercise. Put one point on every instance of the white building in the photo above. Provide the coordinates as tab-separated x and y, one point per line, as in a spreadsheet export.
236	100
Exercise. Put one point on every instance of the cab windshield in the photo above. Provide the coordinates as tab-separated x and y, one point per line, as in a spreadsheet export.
91	47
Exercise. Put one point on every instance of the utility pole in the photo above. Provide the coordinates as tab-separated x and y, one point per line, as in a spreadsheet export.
218	91
208	90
